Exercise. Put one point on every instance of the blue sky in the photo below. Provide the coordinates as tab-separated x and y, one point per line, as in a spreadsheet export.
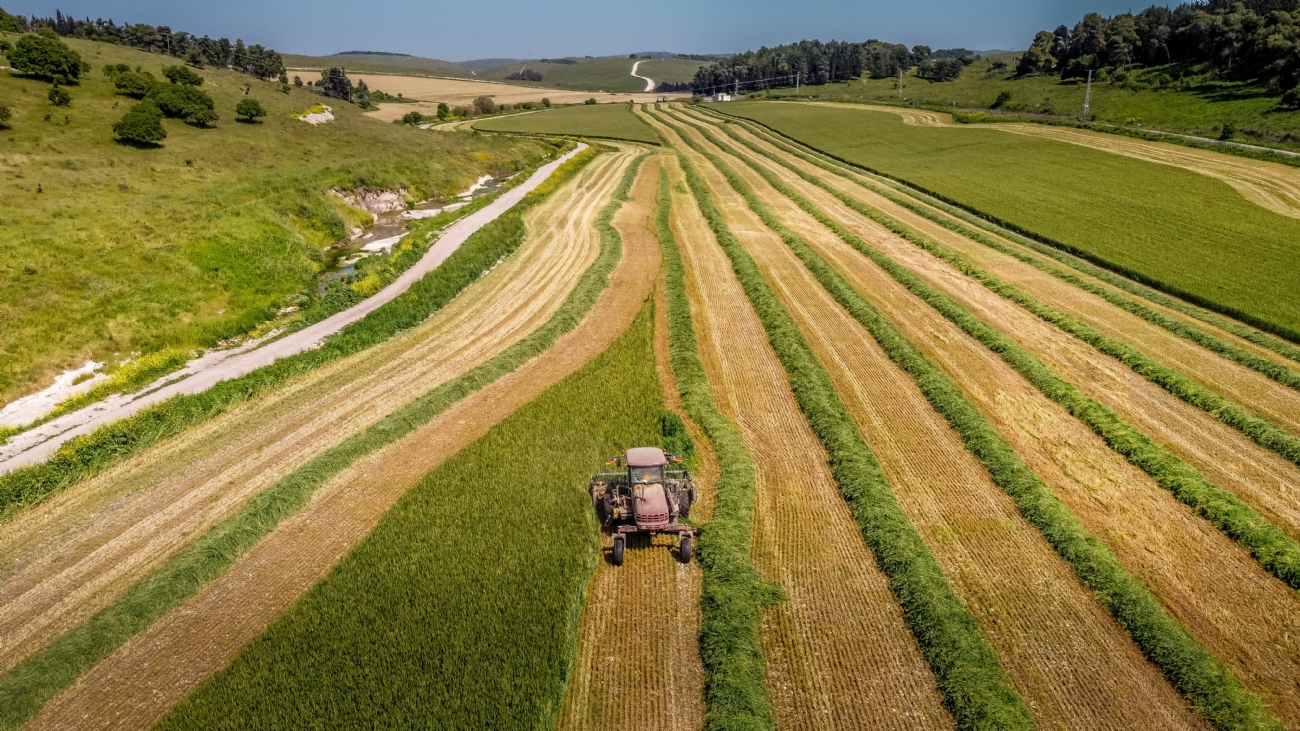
469	29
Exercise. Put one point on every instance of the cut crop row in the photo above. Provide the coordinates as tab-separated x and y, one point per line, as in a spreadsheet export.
1211	689
25	688
975	687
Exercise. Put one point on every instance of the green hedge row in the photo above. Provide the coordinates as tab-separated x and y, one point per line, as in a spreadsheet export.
27	687
1278	372
975	687
1276	552
1209	686
87	455
735	687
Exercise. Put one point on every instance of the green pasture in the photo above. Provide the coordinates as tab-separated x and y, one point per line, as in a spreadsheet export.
108	251
1180	229
600	74
599	120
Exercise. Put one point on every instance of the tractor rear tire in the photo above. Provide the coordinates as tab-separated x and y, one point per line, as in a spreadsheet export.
620	544
685	549
686	500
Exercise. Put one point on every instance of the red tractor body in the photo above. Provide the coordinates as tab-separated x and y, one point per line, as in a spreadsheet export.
646	497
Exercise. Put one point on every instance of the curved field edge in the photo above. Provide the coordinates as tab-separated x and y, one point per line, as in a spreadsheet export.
1264	324
1275	551
112	443
974	685
1210	688
735	688
27	687
609	121
399	635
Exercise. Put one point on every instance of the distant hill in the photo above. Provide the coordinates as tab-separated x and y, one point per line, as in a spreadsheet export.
609	73
382	63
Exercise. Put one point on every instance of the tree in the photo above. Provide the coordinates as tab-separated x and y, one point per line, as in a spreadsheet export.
444	111
250	109
297	81
5	47
181	75
58	97
184	102
1003	97
335	84
12	23
524	75
1290	100
590	101
484	105
113	70
939	69
141	126
134	83
45	56
546	102
361	95
195	57
412	118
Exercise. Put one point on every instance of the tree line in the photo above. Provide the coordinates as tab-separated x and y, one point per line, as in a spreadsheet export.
814	62
1254	41
254	60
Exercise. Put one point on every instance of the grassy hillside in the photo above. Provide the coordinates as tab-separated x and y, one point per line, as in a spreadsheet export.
1151	99
108	250
600	74
380	63
1186	230
600	120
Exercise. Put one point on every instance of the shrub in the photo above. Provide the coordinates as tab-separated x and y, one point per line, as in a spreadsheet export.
47	57
134	83
5	115
940	69
444	111
524	75
412	118
1229	131
5	47
250	109
58	97
297	81
485	105
1291	98
113	70
179	74
590	101
1003	98
12	23
184	102
142	125
546	102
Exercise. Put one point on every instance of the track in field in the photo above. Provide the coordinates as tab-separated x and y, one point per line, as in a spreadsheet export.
838	653
65	559
135	686
1243	616
638	661
1062	650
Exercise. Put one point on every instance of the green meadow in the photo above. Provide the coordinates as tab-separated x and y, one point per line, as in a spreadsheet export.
597	120
600	74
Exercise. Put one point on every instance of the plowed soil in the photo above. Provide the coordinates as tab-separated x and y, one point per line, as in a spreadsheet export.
1268	184
1245	617
135	686
1072	663
638	663
839	655
67	558
1255	474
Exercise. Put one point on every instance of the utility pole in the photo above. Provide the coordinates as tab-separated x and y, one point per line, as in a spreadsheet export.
736	94
1087	97
796	83
900	82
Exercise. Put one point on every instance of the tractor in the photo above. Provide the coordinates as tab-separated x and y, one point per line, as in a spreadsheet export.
644	497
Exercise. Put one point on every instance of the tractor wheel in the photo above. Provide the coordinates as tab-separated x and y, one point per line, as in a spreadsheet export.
686	500
619	544
685	549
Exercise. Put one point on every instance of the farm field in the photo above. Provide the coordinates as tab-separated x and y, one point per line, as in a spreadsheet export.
1175	221
194	242
603	120
600	74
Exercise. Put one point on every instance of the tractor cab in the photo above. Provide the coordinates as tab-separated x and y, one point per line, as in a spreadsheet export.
644	498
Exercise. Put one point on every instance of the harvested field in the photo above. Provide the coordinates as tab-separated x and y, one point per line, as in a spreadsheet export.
838	653
156	669
1024	595
1258	476
76	553
1243	616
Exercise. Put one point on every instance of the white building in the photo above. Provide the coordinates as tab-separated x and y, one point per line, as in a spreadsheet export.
721	96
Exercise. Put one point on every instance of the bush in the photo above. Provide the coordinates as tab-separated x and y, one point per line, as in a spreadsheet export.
134	83
1003	98
940	69
1229	131
590	101
1291	98
546	103
181	75
250	109
5	47
47	57
485	105
5	114
142	125
113	70
184	102
525	75
12	23
444	111
412	118
58	97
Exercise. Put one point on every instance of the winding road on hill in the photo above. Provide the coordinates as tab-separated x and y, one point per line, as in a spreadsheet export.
37	445
649	82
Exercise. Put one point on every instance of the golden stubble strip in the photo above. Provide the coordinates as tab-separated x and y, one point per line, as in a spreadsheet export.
133	688
1243	616
838	653
72	556
1065	654
1259	476
638	663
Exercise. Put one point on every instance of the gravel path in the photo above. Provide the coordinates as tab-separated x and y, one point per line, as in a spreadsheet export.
649	82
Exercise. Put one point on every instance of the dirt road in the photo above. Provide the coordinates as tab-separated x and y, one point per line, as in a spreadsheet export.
649	82
38	444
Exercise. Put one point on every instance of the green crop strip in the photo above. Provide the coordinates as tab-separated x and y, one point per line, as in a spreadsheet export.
735	687
88	455
1262	431
461	610
892	189
1208	685
975	687
27	687
1275	551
